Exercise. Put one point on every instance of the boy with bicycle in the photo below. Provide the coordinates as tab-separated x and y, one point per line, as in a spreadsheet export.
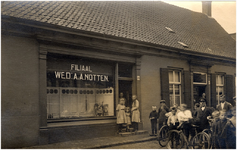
184	116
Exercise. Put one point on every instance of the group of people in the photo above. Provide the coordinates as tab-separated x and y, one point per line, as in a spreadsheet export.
220	120
126	116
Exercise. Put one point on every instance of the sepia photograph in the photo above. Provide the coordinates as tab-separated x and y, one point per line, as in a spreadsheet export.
118	74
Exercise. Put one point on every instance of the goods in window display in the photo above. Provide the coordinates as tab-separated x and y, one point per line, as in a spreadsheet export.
69	103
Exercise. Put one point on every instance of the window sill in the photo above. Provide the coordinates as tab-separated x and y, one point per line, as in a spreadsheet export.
80	119
79	122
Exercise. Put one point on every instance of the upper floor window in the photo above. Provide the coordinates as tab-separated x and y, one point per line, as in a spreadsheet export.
175	87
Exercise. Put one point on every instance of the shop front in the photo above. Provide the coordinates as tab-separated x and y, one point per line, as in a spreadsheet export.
79	88
81	94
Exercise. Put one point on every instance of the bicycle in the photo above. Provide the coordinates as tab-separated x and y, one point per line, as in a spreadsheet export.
201	141
163	135
176	139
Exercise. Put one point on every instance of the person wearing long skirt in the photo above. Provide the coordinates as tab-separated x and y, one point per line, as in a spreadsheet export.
135	113
121	116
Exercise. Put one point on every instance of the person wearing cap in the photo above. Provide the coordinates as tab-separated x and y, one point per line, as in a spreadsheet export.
224	105
176	106
203	112
161	113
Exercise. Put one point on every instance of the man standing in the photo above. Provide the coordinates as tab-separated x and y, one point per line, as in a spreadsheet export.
135	112
202	113
224	105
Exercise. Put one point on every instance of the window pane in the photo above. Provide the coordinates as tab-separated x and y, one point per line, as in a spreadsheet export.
171	89
170	76
177	100
176	88
177	76
222	79
199	77
219	91
171	100
218	79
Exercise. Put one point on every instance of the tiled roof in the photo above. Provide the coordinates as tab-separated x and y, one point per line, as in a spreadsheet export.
141	21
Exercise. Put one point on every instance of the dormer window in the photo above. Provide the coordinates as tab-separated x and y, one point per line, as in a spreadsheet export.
210	50
170	30
183	44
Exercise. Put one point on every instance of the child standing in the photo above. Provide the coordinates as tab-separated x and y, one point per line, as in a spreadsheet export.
173	123
153	117
220	126
128	117
214	120
121	116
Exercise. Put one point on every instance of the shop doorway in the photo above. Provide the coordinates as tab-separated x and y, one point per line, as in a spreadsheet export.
198	91
125	87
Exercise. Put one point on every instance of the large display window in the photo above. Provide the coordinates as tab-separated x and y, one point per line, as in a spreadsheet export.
79	87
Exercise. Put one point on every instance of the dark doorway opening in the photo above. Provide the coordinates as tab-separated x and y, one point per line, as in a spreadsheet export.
125	87
198	91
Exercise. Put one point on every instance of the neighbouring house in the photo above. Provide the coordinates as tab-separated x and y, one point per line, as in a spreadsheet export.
64	64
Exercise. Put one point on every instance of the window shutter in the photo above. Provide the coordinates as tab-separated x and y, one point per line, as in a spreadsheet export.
187	89
213	90
164	82
229	82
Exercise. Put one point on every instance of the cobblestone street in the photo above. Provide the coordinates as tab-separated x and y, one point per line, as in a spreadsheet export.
142	145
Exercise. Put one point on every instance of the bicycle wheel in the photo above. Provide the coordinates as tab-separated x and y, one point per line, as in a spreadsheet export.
163	135
201	141
176	139
207	131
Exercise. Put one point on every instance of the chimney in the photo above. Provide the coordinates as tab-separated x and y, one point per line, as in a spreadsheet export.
206	7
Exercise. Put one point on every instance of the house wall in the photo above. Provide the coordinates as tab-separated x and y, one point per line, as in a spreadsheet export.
20	92
150	83
221	68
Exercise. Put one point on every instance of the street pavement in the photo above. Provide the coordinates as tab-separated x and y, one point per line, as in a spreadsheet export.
105	142
153	144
